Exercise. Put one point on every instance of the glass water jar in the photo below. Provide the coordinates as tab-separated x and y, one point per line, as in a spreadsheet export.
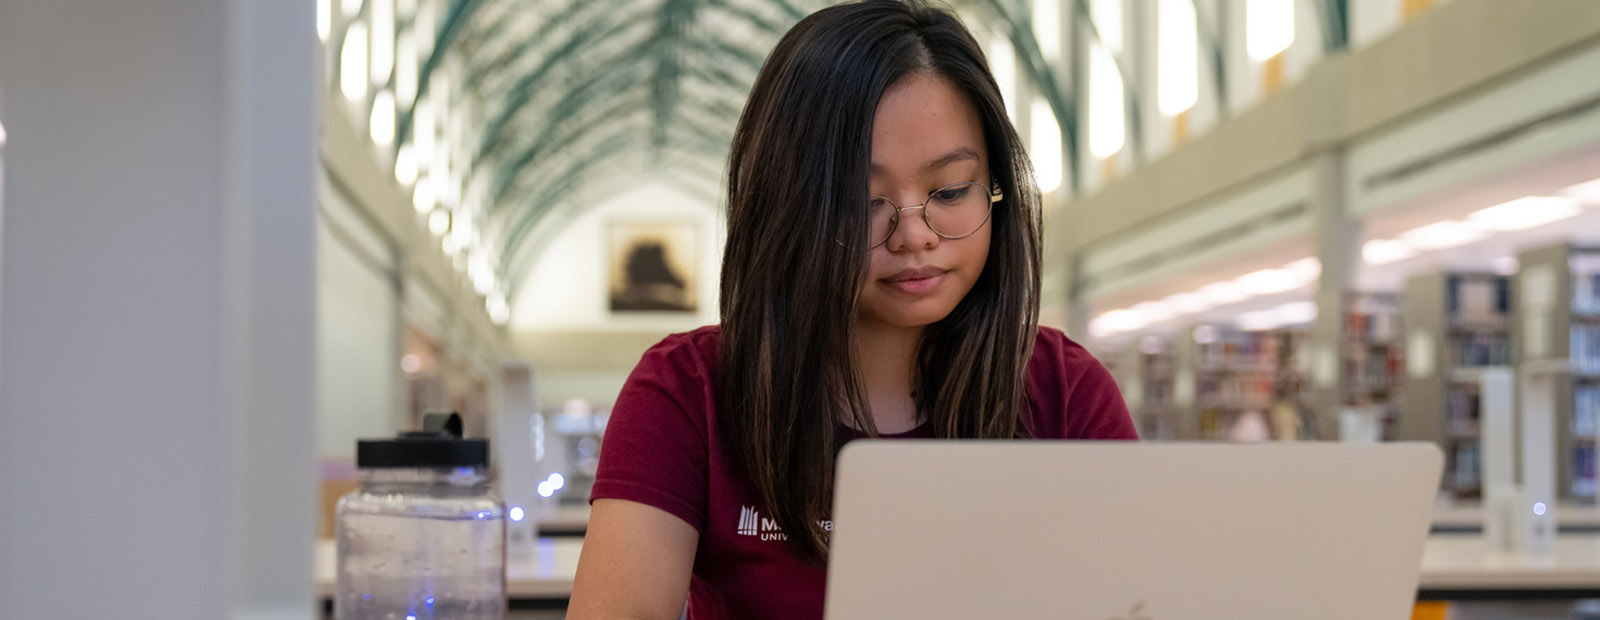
423	536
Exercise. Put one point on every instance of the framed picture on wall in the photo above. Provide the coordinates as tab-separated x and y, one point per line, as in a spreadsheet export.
651	269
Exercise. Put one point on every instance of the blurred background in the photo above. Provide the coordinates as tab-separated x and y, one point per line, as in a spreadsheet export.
238	235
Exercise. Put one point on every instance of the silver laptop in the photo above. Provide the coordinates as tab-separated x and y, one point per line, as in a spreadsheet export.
1111	531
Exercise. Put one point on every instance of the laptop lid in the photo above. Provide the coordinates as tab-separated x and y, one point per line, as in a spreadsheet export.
1114	531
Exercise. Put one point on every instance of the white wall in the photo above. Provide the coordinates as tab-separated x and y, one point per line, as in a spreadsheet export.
357	347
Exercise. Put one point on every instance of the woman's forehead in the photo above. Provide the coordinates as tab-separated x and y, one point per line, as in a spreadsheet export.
924	125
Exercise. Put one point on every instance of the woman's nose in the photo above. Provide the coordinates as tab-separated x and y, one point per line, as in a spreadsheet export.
913	231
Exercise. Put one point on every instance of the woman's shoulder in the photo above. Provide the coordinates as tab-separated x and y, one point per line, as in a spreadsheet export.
1053	349
698	339
1071	395
694	351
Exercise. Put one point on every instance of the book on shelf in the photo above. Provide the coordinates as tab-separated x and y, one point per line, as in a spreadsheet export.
1371	321
1586	413
1585	429
1462	407
1483	349
1585	283
1464	471
1474	300
1584	478
1586	348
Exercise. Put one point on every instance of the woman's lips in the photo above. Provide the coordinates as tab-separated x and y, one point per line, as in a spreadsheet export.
916	280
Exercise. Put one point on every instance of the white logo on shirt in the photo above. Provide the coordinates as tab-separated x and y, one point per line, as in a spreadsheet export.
747	521
751	524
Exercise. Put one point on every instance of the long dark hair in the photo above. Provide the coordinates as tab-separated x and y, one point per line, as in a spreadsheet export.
797	250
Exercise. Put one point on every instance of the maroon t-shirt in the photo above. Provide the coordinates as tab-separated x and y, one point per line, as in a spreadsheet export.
662	449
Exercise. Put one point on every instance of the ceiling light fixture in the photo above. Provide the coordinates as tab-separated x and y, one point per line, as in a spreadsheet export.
381	125
1188	303
353	63
405	165
1269	281
1588	192
1443	235
1223	293
499	311
1116	322
1524	213
422	197
1385	251
1155	311
1258	321
1295	313
439	222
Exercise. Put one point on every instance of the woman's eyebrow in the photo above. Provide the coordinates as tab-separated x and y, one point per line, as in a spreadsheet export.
960	154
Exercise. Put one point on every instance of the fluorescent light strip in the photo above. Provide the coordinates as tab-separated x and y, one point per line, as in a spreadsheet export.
1525	213
1260	320
1258	283
1154	311
1443	235
1385	251
1296	313
1188	303
1223	293
1588	192
1269	281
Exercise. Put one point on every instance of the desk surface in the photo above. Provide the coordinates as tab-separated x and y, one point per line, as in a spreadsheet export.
548	575
1470	515
565	519
573	519
1450	563
1464	562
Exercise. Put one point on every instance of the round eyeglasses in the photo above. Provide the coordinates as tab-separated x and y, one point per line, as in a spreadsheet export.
954	211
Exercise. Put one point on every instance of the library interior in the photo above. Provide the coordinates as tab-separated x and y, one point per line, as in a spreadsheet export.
241	238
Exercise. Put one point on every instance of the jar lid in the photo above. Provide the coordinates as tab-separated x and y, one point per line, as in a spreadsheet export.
422	452
439	444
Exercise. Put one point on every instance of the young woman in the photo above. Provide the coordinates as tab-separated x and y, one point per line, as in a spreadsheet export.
881	279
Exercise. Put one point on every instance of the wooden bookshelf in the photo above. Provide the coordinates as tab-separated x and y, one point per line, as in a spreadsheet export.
1157	415
1238	371
1373	356
1143	370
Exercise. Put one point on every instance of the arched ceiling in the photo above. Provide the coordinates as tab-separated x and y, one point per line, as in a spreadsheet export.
569	97
541	102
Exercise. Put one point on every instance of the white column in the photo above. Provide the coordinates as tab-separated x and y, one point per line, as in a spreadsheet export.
156	309
1337	241
1535	507
1497	429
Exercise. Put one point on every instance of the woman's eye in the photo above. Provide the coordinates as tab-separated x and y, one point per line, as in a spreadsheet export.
877	203
952	194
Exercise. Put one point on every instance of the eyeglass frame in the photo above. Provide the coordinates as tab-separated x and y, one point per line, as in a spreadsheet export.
995	195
